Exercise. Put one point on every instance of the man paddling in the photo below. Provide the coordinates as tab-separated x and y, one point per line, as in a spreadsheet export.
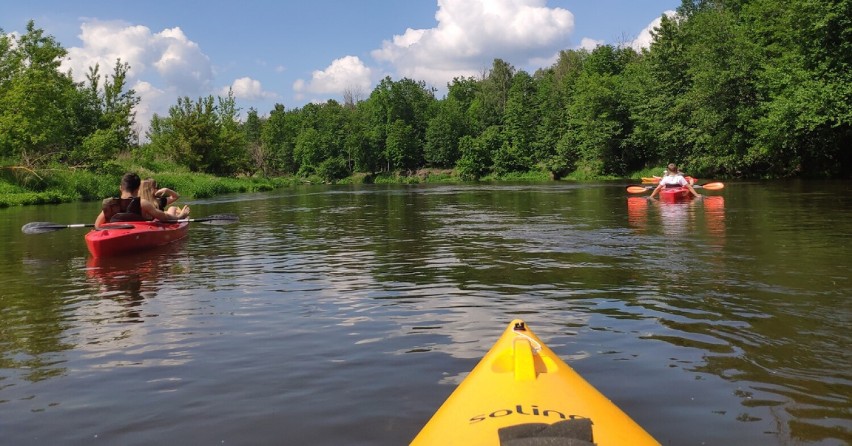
126	207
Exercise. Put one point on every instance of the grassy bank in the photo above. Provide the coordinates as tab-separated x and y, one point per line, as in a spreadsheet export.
58	184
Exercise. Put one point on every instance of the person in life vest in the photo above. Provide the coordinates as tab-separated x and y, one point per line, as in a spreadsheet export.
673	178
126	206
155	203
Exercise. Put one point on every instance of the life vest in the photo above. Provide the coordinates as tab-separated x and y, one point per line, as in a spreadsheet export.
122	209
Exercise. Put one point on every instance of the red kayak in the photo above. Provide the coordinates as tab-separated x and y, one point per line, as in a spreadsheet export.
675	194
134	236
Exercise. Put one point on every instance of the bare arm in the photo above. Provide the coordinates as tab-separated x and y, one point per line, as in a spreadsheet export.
150	210
171	196
100	220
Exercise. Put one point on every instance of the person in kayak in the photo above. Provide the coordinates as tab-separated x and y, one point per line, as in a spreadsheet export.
673	178
126	206
155	203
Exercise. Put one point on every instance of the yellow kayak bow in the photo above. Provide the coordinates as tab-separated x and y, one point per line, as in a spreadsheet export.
521	393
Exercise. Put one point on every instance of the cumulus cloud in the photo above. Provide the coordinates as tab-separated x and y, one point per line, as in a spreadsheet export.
163	65
152	100
346	73
590	44
645	38
247	88
471	33
169	54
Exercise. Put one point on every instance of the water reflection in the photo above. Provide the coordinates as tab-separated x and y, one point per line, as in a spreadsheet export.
719	321
679	220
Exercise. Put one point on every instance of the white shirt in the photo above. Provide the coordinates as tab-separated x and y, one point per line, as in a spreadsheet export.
674	179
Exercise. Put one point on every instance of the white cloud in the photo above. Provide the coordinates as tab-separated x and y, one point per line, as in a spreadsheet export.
170	64
249	89
151	100
346	73
644	39
471	33
590	44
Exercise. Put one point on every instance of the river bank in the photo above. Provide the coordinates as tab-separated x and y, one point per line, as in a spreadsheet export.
21	186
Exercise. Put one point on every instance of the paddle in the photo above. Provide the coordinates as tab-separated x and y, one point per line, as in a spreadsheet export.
218	219
709	186
40	227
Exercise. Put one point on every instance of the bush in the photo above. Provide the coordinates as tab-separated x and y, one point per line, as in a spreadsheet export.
333	169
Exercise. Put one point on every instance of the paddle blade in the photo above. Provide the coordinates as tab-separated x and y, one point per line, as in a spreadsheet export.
714	186
40	227
219	219
637	189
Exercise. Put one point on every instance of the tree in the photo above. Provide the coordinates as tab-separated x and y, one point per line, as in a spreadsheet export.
189	135
36	100
490	102
555	87
409	102
105	117
402	146
278	137
229	156
444	132
599	122
259	157
477	154
520	122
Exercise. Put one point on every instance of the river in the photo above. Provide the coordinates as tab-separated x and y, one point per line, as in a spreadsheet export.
345	315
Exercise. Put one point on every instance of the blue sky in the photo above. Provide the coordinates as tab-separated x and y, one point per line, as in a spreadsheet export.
295	52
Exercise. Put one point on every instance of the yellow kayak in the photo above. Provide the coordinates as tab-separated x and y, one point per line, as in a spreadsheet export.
521	393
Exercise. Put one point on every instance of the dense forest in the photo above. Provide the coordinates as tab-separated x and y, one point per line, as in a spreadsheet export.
728	88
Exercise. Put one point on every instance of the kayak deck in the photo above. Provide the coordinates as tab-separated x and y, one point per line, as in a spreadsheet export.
107	241
522	391
675	194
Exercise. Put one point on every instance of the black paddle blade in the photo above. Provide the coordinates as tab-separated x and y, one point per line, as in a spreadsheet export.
40	227
219	219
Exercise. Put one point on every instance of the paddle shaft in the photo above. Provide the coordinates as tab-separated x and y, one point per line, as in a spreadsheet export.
635	189
39	227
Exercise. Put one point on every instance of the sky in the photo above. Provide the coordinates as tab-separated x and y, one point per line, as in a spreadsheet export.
295	52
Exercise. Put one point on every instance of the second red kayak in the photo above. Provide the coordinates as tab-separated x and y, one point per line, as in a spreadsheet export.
133	236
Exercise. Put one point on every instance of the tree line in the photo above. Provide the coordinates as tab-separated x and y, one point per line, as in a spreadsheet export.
750	88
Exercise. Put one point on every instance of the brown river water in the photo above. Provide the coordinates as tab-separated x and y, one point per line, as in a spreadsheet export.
346	315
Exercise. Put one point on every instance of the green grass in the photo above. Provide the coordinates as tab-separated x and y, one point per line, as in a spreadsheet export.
647	173
57	184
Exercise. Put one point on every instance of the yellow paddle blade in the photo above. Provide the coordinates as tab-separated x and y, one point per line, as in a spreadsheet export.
714	186
637	189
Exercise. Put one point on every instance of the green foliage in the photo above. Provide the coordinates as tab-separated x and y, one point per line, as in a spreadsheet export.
477	154
759	88
402	145
46	117
333	169
444	132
